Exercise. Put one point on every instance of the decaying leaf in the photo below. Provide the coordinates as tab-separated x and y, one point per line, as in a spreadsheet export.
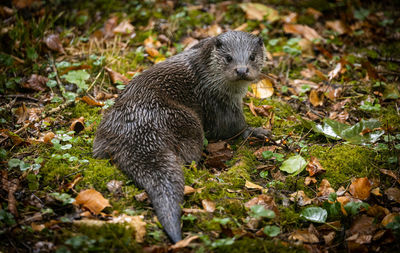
115	186
391	173
316	98
362	225
136	222
92	200
314	167
335	72
303	30
338	26
325	188
250	185
393	193
219	153
263	89
257	11
36	82
77	125
90	101
184	243
301	198
360	188
48	137
263	200
116	77
208	205
304	236
141	196
310	180
389	218
53	42
124	28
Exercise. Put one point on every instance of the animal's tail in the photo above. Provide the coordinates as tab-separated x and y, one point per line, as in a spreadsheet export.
162	178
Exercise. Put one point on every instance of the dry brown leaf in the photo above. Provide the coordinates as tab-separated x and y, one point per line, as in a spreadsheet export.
314	167
218	154
115	186
389	218
141	196
334	93
136	222
377	192
257	11
92	200
372	74
325	188
301	198
53	42
193	210
250	185
377	211
214	30
77	125
36	82
313	12
335	72
109	26
363	225
360	188
152	51
242	27
37	227
183	243
290	18
263	200
329	237
208	205
303	30
263	89
116	77
310	180
21	113
91	101
124	28
48	137
188	190
304	236
393	194
338	26
391	173
72	184
316	98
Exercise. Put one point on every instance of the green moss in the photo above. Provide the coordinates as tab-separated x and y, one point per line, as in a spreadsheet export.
389	116
247	244
107	238
342	162
288	217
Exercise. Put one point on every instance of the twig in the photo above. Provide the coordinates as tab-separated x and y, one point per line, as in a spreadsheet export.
19	96
53	65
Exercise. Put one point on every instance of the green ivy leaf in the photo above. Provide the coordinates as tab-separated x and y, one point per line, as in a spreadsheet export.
260	211
272	231
14	162
294	165
77	77
314	214
353	208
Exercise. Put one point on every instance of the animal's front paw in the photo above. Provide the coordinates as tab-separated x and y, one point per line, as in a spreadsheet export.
257	132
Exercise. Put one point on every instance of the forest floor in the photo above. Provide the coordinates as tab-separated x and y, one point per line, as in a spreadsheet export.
327	180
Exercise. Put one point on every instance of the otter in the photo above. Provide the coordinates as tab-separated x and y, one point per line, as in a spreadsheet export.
159	122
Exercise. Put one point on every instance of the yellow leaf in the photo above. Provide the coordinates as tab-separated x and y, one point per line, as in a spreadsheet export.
250	185
263	89
257	11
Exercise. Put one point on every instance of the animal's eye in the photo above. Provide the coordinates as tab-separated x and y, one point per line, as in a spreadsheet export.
228	58
252	57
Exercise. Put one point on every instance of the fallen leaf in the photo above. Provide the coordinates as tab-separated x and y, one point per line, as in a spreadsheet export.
48	137
77	125
136	222
304	236
314	167
208	205
188	190
36	82
257	11
391	173
37	227
389	218
124	28
290	18
214	30
329	237
53	42
92	200
338	26
152	51
309	180
393	194
250	185
303	30
218	154
377	211
21	113
313	12
376	191
74	181
109	26
183	243
193	210
301	198
263	89
316	98
335	72
91	101
371	71
141	196
116	77
360	188
264	200
325	188
115	186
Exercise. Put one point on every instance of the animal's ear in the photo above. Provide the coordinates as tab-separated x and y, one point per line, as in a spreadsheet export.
218	43
260	40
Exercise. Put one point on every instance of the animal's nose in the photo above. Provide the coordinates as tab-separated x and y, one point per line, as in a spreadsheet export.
242	71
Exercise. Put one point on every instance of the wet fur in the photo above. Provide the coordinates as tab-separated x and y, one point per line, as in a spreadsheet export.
158	123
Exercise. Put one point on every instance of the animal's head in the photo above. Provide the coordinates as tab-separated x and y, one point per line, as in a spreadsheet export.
238	55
